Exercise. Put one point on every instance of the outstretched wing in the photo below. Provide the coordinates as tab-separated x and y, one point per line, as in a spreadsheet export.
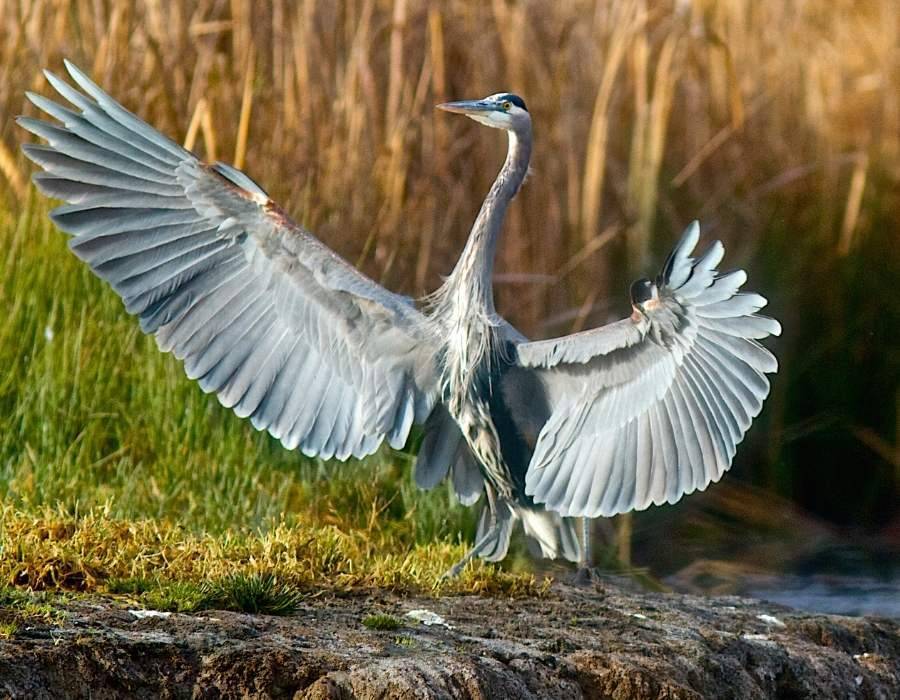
652	407
276	324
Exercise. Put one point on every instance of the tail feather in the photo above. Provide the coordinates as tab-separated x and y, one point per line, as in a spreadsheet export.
444	452
556	536
468	481
506	520
439	448
552	535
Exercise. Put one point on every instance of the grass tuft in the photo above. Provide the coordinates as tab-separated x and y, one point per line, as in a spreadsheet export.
252	593
381	622
176	596
129	586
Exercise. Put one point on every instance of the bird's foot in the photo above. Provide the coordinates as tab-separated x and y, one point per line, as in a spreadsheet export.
476	551
454	571
587	577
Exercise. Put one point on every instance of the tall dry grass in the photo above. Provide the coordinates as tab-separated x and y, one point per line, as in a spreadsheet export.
777	123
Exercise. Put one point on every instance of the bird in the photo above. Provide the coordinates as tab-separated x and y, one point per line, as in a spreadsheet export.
635	413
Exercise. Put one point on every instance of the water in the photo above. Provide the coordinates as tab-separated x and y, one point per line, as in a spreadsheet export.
839	595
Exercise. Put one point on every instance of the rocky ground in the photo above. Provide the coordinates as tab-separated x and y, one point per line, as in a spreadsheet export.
604	641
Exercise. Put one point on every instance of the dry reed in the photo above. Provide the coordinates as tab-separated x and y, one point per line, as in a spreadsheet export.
330	104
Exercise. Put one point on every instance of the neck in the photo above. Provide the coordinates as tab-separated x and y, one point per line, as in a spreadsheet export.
472	276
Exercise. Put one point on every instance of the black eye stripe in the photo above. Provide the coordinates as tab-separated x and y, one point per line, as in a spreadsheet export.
514	99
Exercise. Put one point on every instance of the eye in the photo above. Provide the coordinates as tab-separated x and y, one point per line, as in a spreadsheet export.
506	105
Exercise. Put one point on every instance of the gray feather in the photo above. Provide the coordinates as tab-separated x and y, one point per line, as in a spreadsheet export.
256	307
438	449
652	407
468	481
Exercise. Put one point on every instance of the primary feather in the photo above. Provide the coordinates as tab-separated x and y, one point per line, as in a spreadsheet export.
260	312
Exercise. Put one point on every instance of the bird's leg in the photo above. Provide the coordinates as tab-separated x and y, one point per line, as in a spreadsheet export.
587	555
481	544
479	547
586	574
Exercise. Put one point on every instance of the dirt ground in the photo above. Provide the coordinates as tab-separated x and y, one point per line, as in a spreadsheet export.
603	641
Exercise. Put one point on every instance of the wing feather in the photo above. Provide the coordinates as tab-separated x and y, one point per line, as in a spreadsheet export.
666	451
714	432
441	438
112	129
61	140
650	408
318	440
612	485
256	376
259	311
645	458
78	125
236	345
291	408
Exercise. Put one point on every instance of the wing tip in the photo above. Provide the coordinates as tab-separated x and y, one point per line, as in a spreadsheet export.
78	75
33	98
673	272
25	122
776	326
56	82
32	151
690	237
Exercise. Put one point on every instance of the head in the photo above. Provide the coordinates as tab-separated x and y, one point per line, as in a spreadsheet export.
501	111
643	292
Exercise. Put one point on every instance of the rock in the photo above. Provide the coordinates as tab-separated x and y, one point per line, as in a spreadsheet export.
604	642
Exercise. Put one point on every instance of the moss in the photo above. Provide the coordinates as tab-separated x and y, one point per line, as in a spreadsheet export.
25	607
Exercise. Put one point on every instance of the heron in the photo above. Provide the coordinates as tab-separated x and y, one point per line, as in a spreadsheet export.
286	333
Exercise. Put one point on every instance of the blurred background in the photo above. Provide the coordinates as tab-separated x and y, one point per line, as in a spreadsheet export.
774	122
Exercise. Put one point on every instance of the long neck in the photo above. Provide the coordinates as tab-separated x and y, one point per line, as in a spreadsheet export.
473	272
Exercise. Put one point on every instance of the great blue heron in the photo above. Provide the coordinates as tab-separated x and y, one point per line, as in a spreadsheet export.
285	332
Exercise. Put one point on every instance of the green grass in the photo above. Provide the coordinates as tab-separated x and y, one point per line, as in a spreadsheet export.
175	596
23	608
381	622
118	474
92	414
253	593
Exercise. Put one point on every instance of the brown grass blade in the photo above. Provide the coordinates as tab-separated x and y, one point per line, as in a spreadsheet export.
12	173
240	150
854	203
